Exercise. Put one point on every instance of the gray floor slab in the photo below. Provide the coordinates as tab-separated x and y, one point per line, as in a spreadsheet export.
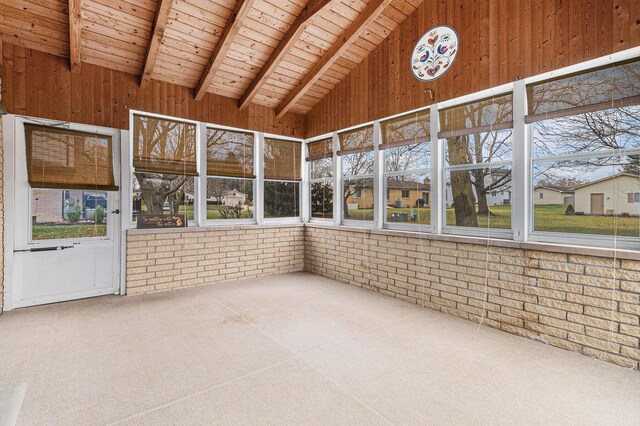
293	349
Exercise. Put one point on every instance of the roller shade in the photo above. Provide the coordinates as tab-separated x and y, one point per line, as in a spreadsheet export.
356	141
486	115
66	159
611	86
164	146
230	153
282	159
406	130
320	149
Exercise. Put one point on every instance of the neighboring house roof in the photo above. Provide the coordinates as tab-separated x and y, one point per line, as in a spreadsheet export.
557	188
619	175
407	184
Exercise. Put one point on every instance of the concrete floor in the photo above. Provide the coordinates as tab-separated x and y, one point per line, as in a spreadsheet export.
293	349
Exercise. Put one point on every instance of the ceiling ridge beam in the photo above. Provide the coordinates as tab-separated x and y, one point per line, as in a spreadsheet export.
306	17
368	15
157	33
239	15
75	6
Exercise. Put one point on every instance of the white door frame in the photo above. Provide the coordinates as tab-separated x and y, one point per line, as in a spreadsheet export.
13	126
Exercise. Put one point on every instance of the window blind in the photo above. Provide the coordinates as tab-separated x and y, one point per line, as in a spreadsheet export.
164	146
611	86
66	159
320	149
356	141
230	153
406	130
282	159
486	115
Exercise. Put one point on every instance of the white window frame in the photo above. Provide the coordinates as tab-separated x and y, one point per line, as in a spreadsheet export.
205	176
301	183
342	179
479	231
416	227
197	217
308	218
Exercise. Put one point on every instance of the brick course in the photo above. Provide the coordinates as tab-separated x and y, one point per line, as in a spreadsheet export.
165	260
566	300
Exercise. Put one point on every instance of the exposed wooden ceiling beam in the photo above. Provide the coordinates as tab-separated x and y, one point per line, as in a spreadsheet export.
368	15
304	19
74	34
157	32
234	23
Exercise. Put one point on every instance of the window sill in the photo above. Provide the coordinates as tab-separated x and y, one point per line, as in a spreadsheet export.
493	242
222	227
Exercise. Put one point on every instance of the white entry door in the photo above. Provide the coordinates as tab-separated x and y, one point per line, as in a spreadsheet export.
66	241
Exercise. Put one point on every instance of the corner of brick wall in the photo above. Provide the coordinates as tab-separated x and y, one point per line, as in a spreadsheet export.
164	261
561	299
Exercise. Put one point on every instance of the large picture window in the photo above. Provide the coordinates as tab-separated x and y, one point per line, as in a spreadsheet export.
477	142
282	178
585	131
164	162
357	156
406	142
230	174
320	161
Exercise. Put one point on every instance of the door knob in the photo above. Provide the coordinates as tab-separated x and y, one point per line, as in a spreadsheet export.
116	211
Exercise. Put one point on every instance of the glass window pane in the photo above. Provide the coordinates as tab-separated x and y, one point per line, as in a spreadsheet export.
588	196
485	112
414	127
281	199
229	198
321	169
162	193
282	159
59	214
230	153
358	164
408	199
361	138
479	148
322	200
590	132
479	198
408	157
358	199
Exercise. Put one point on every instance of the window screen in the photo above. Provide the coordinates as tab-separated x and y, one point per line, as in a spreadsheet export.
164	146
66	159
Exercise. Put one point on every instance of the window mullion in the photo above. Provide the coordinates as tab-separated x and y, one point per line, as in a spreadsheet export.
200	201
378	183
259	186
436	176
337	182
521	188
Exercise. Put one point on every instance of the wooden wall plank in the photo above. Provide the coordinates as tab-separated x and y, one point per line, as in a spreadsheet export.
499	42
43	86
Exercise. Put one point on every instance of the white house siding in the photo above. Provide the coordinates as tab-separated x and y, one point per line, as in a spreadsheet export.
615	192
549	196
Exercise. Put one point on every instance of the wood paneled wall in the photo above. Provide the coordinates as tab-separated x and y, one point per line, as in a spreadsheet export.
40	85
500	40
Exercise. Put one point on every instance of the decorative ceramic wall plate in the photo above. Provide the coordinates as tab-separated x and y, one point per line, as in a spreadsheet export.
434	53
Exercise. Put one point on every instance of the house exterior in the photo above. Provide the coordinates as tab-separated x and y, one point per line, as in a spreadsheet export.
399	194
553	194
51	205
618	194
233	198
497	197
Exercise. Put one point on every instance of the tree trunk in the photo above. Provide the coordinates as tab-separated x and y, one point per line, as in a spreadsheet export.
481	192
461	185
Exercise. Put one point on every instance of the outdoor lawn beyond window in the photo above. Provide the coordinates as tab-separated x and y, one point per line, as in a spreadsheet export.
281	178
356	151
478	147
586	152
406	142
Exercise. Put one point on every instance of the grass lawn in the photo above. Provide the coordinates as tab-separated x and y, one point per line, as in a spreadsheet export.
548	218
54	232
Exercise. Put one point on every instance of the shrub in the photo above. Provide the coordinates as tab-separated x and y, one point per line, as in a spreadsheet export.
579	213
98	214
570	210
74	212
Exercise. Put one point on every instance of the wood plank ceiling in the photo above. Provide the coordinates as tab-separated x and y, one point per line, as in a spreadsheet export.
285	54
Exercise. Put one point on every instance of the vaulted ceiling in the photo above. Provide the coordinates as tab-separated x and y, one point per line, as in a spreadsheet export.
285	54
